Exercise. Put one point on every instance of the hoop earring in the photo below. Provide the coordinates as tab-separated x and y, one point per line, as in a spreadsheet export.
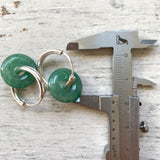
41	86
64	84
19	71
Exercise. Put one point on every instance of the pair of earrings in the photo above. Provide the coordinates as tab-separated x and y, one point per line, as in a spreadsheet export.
20	71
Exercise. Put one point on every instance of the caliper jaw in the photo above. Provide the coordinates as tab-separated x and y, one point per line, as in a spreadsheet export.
147	43
144	83
96	102
106	40
101	103
141	82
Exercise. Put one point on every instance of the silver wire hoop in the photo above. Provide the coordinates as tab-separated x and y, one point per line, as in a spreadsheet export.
47	53
41	86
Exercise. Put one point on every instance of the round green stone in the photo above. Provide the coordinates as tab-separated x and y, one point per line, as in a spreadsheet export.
12	76
56	85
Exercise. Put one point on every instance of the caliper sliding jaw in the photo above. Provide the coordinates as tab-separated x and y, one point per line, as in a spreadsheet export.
123	106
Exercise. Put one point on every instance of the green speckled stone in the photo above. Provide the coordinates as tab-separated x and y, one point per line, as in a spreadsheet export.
56	86
10	73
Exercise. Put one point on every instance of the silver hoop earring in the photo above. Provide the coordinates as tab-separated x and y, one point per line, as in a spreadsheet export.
64	84
41	86
55	51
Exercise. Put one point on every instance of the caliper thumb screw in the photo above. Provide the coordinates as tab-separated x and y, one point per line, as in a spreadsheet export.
144	126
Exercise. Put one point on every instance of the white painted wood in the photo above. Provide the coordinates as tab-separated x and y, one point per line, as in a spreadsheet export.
56	131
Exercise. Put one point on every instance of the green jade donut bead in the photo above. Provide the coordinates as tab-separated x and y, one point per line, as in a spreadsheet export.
58	89
14	77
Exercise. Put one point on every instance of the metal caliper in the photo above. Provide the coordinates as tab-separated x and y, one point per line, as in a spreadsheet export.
123	106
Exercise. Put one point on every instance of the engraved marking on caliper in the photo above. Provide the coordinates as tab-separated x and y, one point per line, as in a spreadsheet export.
120	40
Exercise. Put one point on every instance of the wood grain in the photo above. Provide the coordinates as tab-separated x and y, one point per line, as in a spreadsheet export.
56	131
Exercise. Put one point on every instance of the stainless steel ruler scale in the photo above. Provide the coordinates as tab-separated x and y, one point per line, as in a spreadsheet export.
123	106
122	86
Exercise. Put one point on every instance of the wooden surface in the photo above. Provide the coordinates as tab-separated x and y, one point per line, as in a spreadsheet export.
56	131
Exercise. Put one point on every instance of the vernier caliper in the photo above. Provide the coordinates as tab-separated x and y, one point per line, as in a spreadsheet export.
123	106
